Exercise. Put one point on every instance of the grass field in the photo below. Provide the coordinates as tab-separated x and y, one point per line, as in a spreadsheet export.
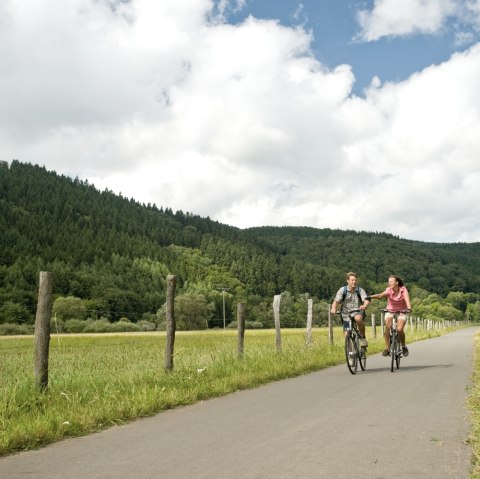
474	405
99	380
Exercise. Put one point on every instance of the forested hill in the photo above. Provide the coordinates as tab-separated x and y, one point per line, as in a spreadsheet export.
438	267
115	253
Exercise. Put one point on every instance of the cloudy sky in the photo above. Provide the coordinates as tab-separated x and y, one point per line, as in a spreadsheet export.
350	114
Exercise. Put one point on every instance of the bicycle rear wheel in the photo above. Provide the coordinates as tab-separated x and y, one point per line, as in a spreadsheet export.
351	354
393	350
362	356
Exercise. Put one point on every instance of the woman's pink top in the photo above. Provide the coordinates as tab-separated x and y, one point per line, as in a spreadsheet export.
396	301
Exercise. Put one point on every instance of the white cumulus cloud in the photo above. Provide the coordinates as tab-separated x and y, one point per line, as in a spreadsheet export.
393	18
167	103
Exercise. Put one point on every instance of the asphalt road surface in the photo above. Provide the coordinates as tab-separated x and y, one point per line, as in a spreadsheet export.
329	424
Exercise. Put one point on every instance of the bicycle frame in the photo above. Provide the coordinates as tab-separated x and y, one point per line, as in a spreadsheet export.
396	351
354	354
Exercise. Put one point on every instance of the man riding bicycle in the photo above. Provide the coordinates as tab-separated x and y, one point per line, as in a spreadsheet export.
354	302
398	302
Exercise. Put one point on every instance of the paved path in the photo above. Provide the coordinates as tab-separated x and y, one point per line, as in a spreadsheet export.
375	425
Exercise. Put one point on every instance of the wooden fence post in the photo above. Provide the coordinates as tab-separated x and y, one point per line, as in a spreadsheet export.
374	327
330	326
170	324
309	322
241	328
42	329
382	322
276	314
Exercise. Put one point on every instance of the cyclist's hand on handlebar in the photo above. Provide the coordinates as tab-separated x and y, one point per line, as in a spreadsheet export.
368	298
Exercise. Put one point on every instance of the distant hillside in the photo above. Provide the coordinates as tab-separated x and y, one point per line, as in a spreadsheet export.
114	253
117	252
432	266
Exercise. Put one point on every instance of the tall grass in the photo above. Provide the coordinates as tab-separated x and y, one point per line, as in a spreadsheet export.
473	402
100	380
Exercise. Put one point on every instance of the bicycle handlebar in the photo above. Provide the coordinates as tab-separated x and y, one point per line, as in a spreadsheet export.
350	312
405	311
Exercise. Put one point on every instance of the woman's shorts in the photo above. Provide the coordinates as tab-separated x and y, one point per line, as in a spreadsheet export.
400	317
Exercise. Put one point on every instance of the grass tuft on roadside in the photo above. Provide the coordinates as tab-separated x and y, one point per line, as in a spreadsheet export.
473	401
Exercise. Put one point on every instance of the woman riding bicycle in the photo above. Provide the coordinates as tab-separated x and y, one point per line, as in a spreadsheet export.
398	302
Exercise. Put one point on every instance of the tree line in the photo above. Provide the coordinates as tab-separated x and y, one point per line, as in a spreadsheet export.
110	256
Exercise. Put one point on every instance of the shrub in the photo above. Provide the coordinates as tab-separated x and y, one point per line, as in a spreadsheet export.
146	325
57	325
76	325
10	329
101	325
12	312
124	327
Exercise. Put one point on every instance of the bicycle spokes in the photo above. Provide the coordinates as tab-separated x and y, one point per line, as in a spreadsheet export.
351	354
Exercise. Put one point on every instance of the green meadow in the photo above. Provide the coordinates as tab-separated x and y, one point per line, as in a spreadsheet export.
100	380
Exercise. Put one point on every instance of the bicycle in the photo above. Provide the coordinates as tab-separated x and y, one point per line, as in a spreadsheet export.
354	353
396	351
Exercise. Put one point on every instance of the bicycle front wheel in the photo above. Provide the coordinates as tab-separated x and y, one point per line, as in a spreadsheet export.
393	350
351	354
398	354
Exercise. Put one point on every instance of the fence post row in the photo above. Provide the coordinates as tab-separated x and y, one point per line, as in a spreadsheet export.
241	328
309	322
374	327
170	322
44	311
276	314
42	329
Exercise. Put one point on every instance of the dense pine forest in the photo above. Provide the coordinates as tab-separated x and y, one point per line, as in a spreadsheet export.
110	256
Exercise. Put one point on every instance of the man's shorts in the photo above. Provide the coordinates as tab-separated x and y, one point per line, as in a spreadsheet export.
346	322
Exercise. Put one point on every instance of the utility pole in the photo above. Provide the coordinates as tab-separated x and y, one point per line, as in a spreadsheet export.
223	289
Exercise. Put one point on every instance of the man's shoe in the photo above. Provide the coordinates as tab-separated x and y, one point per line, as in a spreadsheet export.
363	343
386	353
405	351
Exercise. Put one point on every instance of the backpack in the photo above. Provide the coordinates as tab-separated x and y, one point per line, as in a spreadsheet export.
357	290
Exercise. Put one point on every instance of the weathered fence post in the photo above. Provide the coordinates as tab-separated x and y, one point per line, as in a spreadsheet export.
170	324
330	327
309	321
374	327
276	314
241	328
42	329
382	322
